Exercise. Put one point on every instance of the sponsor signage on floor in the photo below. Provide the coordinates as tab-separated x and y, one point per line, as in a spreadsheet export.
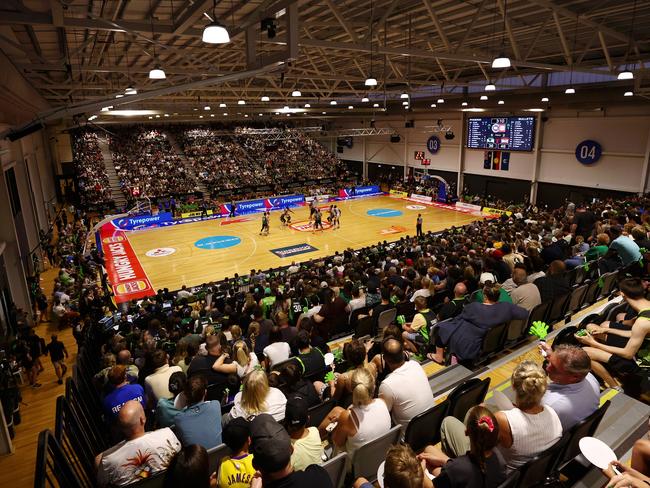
306	226
416	207
285	252
393	229
160	252
421	198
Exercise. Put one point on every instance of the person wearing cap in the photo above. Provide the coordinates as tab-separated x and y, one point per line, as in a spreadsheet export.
236	470
306	442
271	449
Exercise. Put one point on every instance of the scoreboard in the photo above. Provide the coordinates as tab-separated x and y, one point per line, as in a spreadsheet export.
501	133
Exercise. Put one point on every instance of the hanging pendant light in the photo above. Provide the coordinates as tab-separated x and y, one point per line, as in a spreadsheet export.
215	32
157	73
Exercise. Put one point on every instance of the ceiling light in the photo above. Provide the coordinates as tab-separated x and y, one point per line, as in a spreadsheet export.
501	102
307	105
570	91
215	33
106	109
157	116
628	94
225	113
464	104
260	115
200	116
246	115
324	113
333	102
150	117
166	115
625	75
350	107
241	102
130	91
370	81
296	93
544	99
207	107
404	95
484	97
157	73
405	102
265	98
375	105
406	107
490	87
195	109
365	99
211	115
501	61
222	105
535	110
441	100
132	113
119	95
286	107
93	117
473	109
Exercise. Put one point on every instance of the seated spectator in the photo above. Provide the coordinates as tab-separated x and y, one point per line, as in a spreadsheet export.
463	335
310	358
199	422
293	384
168	408
555	283
452	308
122	392
406	389
257	397
524	294
358	299
271	448
203	364
156	385
627	249
189	467
489	278
613	346
385	304
332	316
573	393
482	466
354	353
141	455
402	469
244	361
423	318
288	332
365	420
277	350
236	470
306	442
599	249
524	431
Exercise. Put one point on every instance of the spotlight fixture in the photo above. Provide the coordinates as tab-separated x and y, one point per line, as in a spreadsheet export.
207	107
333	102
211	115
324	113
370	81
260	115
350	107
157	73
484	97
570	91
501	102
365	99
150	117
296	93
200	116
106	109
405	102
544	99
628	94
119	95
130	91
464	104
222	105
241	102
375	105
307	105
285	108
625	75
406	107
265	98
433	105
490	87
404	95
501	61
225	113
166	115
441	100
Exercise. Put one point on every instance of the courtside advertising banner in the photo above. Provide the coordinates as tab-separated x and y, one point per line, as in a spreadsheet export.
421	198
359	191
142	221
398	194
468	206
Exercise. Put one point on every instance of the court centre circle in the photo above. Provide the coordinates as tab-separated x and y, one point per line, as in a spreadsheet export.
159	252
217	242
384	212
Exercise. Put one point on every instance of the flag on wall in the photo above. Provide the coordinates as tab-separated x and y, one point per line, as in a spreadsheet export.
505	161
487	160
496	159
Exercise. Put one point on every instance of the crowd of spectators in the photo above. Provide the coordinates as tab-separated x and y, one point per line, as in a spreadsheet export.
146	164
92	181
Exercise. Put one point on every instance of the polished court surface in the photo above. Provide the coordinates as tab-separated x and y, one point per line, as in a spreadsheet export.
195	253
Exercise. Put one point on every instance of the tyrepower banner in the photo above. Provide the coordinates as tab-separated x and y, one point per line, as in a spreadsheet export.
142	221
125	273
398	194
359	191
272	203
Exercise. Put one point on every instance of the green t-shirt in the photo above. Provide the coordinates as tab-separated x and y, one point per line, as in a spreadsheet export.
596	252
504	296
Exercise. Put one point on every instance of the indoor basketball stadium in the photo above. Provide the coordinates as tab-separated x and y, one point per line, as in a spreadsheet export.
325	243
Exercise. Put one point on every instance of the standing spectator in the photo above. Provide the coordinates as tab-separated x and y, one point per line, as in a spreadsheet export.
56	349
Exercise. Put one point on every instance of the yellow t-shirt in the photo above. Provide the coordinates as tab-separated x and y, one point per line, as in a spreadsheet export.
419	320
236	472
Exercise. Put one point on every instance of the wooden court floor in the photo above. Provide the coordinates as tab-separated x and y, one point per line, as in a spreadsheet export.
191	266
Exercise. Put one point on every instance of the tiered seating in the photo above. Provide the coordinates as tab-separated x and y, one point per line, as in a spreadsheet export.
92	181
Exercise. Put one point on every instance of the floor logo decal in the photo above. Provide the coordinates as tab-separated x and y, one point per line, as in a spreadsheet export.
305	226
384	212
285	252
393	229
217	242
416	207
159	252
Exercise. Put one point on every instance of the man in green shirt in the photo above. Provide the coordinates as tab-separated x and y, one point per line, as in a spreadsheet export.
600	249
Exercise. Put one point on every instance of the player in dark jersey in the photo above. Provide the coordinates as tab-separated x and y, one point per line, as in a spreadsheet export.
318	220
285	218
330	216
233	209
265	223
312	209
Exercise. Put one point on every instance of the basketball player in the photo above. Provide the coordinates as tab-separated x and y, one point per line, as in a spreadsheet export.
336	220
285	218
312	209
233	208
265	224
330	216
318	220
418	226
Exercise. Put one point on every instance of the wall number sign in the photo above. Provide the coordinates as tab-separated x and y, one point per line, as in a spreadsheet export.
588	152
433	144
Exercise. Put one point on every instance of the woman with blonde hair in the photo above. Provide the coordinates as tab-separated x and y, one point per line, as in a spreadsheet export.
244	361
366	419
257	397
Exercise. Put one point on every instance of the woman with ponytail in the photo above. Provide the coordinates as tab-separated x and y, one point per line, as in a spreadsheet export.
481	466
244	361
366	419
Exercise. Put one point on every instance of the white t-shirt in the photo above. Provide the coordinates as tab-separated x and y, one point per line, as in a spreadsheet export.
275	402
406	392
422	292
277	352
356	303
130	461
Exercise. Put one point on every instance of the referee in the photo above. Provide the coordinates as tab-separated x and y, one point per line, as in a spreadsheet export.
418	226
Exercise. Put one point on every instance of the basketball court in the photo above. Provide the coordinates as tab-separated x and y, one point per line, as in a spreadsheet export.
210	250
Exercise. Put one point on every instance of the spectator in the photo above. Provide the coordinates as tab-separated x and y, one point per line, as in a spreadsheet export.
627	249
277	350
555	284
156	385
423	318
293	384
236	470
524	294
56	349
168	408
402	469
600	249
257	397
189	467
199	422
122	392
244	361
141	455
306	442
310	358
203	364
454	307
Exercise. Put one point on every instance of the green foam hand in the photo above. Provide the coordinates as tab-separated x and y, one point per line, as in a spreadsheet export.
329	376
401	320
539	329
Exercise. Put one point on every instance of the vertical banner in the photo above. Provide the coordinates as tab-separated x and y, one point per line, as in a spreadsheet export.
496	159
487	160
505	161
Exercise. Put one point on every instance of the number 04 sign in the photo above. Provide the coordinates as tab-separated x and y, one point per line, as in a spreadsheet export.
588	152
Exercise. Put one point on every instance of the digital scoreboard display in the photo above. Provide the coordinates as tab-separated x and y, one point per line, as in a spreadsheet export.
501	133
